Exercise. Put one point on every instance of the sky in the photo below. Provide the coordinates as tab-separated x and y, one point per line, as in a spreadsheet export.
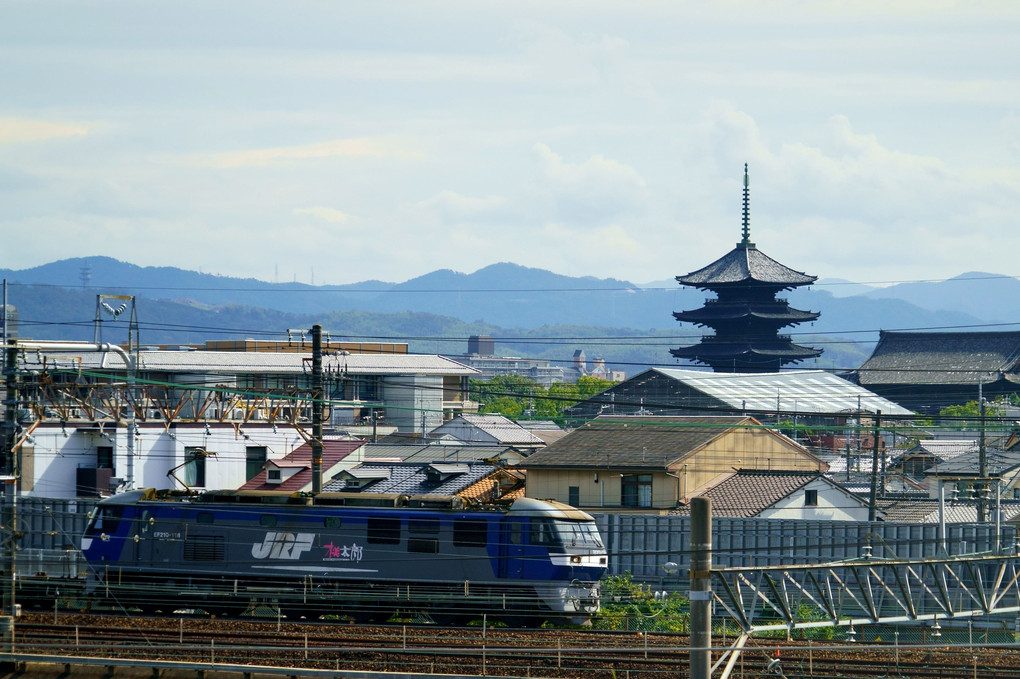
338	141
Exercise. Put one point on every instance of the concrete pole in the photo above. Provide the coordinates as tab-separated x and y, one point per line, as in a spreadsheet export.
701	588
316	408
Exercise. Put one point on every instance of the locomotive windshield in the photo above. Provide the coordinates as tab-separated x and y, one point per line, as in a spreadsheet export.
104	520
565	533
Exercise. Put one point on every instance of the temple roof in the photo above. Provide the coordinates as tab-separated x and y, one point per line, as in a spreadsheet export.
743	264
942	358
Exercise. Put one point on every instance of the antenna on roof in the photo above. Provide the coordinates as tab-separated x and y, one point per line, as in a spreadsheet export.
746	231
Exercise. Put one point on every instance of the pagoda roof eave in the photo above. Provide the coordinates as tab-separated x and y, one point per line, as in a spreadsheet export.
742	265
710	314
707	351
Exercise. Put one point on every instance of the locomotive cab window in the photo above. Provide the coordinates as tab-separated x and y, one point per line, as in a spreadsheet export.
104	520
542	533
577	533
383	530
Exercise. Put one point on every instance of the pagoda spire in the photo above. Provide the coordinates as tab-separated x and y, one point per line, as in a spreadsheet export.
745	242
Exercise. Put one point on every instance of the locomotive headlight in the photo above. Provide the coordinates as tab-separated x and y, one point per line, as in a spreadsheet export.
575	559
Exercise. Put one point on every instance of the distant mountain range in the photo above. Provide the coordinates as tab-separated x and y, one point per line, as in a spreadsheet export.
506	300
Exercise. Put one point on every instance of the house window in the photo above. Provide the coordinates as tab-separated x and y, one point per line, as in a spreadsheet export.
274	476
194	468
104	457
636	490
254	458
574	496
811	497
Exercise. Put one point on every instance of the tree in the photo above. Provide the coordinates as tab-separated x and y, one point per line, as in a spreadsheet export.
967	415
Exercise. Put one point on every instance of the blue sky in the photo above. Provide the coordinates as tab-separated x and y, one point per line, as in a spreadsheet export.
342	141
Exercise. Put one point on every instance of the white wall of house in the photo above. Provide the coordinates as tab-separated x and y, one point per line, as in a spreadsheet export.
831	504
414	403
49	465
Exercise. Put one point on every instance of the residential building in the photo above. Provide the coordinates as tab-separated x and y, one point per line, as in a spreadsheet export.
487	430
763	494
293	472
477	480
97	458
641	463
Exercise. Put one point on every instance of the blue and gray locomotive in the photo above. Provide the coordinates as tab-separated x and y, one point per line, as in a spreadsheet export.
359	555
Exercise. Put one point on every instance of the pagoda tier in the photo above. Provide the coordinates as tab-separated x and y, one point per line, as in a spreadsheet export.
750	355
741	316
746	316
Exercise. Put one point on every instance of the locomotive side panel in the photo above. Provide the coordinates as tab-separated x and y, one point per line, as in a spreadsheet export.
316	559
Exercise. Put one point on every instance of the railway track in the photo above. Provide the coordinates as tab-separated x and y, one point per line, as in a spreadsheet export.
561	653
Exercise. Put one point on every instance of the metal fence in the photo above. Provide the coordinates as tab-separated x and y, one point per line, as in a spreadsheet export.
642	544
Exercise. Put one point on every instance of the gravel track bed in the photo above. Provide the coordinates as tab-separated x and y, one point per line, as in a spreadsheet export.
499	651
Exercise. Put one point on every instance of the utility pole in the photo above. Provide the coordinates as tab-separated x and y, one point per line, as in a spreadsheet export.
873	503
982	485
316	408
701	588
10	484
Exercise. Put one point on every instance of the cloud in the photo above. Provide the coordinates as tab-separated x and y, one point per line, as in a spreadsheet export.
21	130
597	188
456	206
326	214
338	148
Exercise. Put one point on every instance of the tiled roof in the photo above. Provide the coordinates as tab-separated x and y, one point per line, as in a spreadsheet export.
941	358
743	264
996	461
633	442
333	452
438	453
231	362
413	479
927	511
504	430
748	492
509	483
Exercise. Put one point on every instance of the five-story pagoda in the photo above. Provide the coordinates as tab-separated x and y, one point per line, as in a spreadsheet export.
746	316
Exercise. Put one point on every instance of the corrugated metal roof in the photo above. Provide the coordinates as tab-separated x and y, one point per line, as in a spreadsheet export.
261	362
803	391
